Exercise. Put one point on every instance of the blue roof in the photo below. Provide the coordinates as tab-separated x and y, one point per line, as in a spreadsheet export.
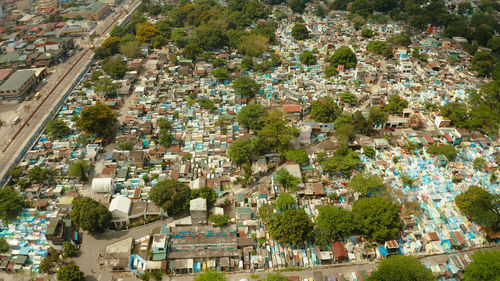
382	251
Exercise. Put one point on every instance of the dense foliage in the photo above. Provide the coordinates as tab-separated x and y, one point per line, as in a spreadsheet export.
377	218
480	206
70	272
11	203
401	268
90	215
485	266
333	224
367	184
172	195
291	227
98	119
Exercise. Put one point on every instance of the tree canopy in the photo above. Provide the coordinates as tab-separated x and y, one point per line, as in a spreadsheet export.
298	156
401	268
307	58
344	56
210	275
343	161
325	110
396	105
246	86
367	184
172	195
276	134
333	224
11	203
251	115
485	265
115	67
285	201
241	151
219	220
377	218
205	192
300	31
4	245
288	181
146	31
57	128
480	206
447	150
90	215
80	170
291	226
275	276
70	272
98	119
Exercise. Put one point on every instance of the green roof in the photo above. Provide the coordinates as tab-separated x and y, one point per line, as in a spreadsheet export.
9	57
244	210
17	79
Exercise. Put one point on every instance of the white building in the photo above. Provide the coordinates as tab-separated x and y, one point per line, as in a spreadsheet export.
103	185
120	208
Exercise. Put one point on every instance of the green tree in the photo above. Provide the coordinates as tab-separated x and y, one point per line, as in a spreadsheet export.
400	40
480	206
95	76
164	28
221	74
320	11
38	174
377	218
98	119
345	133
330	71
219	220
381	48
253	45
158	41
447	150
401	268
164	124
344	56
146	31
396	105
4	245
325	110
246	86
266	212
456	112
251	115
343	161
276	134
191	51
369	151
377	116
116	67
172	195
494	45
11	203
288	181
367	33
300	31
485	265
80	170
90	215
69	250
205	192
348	97
105	86
131	49
276	276
307	58
247	63
241	151
126	145
297	6
112	45
291	227
50	261
70	272
333	223
57	128
16	172
479	163
298	156
285	201
367	184
210	275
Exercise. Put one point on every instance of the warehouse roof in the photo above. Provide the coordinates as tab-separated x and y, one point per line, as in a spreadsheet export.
17	79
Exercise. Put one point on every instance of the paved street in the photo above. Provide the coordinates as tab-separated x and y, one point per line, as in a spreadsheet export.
58	83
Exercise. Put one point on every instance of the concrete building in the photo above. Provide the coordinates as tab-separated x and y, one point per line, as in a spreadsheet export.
198	209
120	208
47	4
117	255
94	11
17	86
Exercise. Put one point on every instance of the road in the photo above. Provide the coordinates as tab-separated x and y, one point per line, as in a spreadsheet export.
58	83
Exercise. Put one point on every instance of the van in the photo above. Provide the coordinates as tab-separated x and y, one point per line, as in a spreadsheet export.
16	119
